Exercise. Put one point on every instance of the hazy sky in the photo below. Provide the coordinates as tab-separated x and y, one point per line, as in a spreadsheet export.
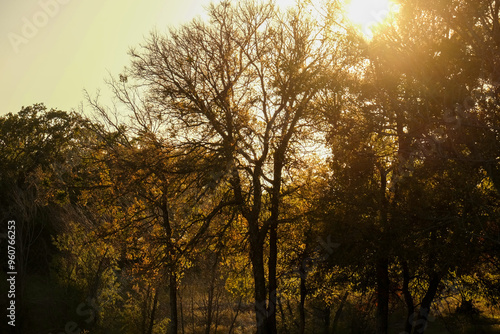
53	49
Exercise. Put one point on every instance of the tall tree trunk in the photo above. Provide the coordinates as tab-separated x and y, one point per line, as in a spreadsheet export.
173	326
231	328
193	322
256	240
217	311
410	306
382	295
382	264
283	317
336	319
303	294
273	284
257	259
211	292
153	312
273	234
326	317
145	310
425	306
208	323
182	313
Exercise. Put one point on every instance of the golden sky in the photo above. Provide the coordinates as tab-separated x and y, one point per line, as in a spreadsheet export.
51	50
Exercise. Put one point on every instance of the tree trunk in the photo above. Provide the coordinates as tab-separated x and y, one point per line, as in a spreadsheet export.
410	306
211	293
173	302
257	259
336	319
425	306
231	328
217	311
153	311
145	310
382	295
172	274
273	284
382	264
193	322
327	315
208	324
182	313
303	294
283	317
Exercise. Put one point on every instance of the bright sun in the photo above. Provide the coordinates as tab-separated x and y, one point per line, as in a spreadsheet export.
368	13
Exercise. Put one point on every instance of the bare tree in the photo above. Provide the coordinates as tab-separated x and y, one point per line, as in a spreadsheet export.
241	87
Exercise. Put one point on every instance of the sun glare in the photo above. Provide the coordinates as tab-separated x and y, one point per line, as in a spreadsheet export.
366	14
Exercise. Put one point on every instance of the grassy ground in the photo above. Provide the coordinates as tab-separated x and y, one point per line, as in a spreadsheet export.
457	324
464	324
